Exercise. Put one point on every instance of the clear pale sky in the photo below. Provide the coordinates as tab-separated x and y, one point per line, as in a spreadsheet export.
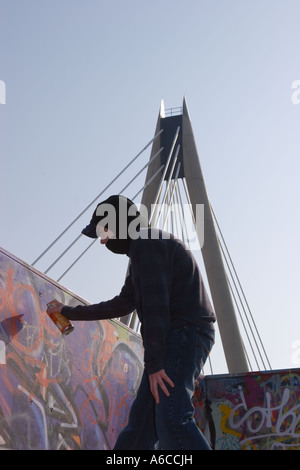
84	80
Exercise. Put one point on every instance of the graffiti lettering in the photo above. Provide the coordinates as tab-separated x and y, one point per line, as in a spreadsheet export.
59	392
75	392
280	420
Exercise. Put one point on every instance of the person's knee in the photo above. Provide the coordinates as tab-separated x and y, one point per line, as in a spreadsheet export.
170	421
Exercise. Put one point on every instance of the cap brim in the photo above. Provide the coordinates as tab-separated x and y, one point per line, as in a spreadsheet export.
90	231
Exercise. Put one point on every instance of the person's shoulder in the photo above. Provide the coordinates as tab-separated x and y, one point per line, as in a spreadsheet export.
150	239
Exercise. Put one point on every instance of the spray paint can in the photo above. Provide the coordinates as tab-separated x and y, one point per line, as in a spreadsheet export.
62	322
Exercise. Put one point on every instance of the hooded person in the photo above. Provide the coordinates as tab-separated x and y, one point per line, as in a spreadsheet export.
121	218
165	287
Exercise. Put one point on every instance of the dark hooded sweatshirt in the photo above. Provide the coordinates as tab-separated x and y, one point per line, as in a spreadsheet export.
164	286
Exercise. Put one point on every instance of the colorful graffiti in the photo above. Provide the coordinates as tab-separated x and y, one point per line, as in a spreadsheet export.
256	411
57	392
75	392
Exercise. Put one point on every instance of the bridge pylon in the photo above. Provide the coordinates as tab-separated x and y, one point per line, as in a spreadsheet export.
180	157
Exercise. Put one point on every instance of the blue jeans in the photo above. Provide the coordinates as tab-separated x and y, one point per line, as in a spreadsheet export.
171	421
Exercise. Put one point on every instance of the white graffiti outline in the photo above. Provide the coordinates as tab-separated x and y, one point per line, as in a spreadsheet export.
40	406
266	418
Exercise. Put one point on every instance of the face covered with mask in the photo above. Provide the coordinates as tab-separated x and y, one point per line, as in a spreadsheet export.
114	221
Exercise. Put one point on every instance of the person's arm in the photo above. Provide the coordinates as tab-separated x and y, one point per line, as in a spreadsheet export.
121	305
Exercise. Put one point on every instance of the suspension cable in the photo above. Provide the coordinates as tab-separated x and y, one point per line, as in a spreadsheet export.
168	184
95	199
164	174
77	259
71	244
80	256
172	194
244	297
148	182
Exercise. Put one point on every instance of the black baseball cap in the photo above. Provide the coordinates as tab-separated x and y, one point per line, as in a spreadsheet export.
91	229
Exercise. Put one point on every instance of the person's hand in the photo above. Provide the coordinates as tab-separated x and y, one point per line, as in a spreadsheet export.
158	379
55	307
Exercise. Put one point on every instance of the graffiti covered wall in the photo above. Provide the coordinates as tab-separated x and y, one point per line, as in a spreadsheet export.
75	392
255	411
60	392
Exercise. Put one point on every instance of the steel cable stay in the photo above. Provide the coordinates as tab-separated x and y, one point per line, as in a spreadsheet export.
90	245
63	253
148	182
162	180
164	201
77	259
156	220
189	203
125	187
168	212
132	319
240	316
184	235
167	215
177	219
158	194
97	197
169	195
242	299
233	294
172	207
238	289
184	232
80	256
187	239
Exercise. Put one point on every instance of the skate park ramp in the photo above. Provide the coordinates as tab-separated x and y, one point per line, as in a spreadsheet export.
60	392
75	392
